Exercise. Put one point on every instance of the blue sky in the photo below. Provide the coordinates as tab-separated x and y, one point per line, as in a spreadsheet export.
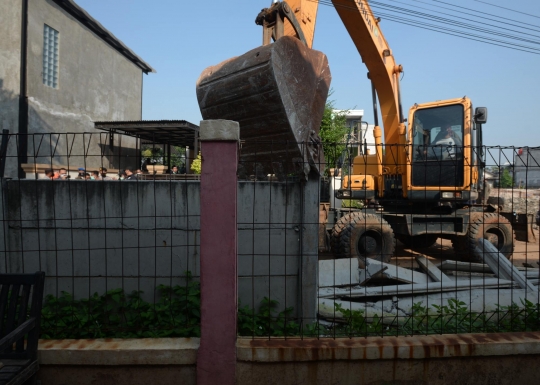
180	38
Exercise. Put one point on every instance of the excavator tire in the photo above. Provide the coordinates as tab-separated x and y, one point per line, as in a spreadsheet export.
363	236
491	226
419	242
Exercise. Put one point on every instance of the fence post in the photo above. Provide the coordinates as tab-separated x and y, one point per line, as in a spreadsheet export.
216	360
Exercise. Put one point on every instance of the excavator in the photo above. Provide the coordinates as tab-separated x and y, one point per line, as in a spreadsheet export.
425	179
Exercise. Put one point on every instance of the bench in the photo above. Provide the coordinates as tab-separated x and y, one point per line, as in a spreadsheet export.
21	298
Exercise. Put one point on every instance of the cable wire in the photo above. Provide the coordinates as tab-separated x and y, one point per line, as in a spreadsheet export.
443	28
480	12
508	9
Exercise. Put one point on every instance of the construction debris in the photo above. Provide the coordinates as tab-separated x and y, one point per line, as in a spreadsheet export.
387	292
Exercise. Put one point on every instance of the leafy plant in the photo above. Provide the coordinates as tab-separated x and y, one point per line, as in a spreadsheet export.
176	314
452	318
115	314
505	179
356	324
265	322
196	165
352	203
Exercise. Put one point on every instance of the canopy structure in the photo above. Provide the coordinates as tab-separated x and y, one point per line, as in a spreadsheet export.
180	133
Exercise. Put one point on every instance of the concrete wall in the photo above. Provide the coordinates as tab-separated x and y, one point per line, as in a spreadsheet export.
10	71
93	236
479	359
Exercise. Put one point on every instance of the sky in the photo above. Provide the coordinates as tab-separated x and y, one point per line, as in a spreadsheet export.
180	38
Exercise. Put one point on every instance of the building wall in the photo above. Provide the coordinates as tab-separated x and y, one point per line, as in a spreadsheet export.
527	168
10	70
96	83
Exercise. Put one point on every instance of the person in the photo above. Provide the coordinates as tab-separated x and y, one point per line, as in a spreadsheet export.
183	169
63	174
121	175
174	170
82	173
95	175
103	174
139	172
447	142
87	176
445	134
129	174
51	174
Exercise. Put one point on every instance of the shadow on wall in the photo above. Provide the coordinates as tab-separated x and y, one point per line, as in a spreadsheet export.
62	144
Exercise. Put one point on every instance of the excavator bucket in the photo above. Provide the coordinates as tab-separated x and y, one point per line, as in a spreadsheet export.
277	93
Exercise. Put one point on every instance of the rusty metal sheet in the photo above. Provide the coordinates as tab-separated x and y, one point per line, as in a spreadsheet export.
277	93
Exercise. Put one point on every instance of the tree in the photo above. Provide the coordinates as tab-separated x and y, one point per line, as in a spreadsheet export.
153	154
505	179
333	133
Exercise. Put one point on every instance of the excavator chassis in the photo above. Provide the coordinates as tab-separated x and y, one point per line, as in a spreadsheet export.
277	94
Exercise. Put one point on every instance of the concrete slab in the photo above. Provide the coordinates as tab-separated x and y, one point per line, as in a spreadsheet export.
219	129
338	272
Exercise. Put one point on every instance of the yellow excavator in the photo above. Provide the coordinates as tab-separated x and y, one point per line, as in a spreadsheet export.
425	179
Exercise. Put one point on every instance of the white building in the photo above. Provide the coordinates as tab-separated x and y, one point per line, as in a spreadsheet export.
527	167
361	131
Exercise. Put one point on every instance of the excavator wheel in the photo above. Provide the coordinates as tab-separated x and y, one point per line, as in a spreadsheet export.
419	242
363	236
491	226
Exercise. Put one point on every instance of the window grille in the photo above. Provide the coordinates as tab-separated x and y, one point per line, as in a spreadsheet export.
50	56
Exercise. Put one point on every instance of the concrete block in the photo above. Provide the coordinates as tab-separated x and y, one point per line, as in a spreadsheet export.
219	129
338	272
117	351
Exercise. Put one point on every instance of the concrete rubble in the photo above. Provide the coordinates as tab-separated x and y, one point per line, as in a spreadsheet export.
389	292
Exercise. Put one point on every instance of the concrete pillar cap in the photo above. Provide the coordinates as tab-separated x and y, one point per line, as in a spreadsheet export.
219	129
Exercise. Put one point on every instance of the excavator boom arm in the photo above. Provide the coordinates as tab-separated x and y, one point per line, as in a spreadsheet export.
376	54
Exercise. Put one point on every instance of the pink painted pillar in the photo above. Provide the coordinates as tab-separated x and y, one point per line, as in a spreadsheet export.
216	359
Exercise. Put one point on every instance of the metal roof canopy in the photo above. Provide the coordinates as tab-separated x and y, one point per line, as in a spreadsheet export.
171	132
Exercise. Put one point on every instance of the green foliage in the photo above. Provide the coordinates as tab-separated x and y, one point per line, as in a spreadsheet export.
452	318
519	319
175	314
356	324
155	154
266	322
505	179
117	315
177	156
352	203
333	133
196	165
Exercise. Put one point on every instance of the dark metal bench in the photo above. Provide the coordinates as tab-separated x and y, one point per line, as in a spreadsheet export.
21	298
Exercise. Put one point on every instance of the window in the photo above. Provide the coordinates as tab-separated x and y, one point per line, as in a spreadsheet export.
438	133
50	56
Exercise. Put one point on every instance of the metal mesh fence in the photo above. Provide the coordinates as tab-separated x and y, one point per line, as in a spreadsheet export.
390	241
430	241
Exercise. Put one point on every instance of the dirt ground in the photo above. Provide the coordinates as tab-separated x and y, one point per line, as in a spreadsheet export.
525	253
